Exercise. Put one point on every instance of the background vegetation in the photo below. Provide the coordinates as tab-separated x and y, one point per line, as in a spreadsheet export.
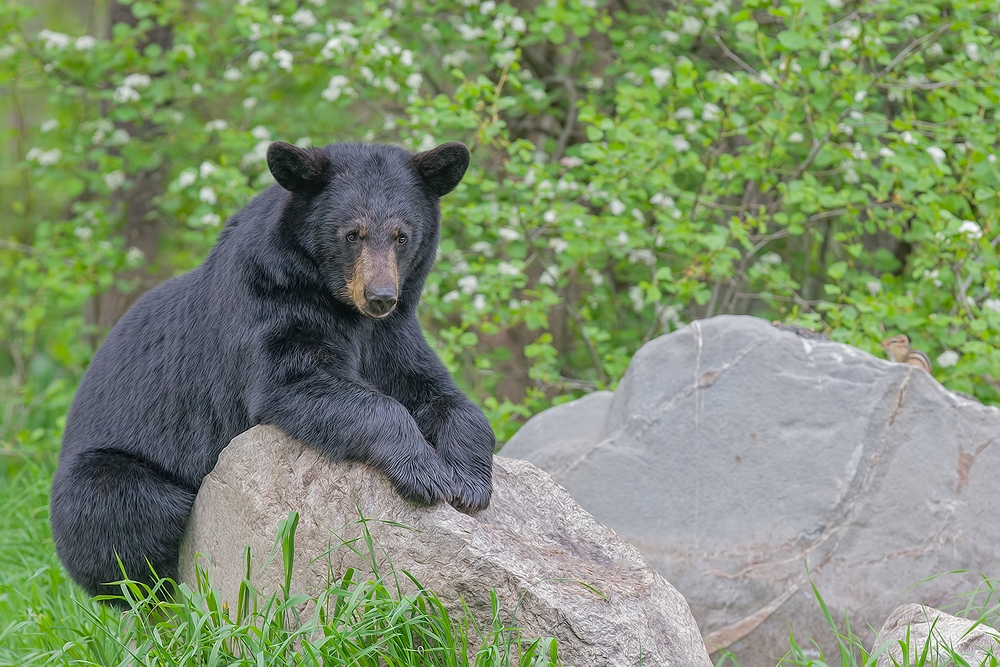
636	164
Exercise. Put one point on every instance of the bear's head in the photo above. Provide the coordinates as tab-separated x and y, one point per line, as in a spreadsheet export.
368	215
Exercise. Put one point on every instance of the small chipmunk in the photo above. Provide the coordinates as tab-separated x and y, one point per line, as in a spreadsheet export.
898	349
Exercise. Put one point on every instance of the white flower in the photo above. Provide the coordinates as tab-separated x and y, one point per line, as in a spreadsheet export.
766	79
858	153
261	133
972	52
835	4
622	238
948	359
571	161
186	49
487	7
851	31
772	258
509	234
507	269
690	25
317	3
934	50
636	296
479	302
550	216
851	176
211	219
991	158
196	89
558	245
304	18
134	256
277	19
860	96
710	112
670	36
114	179
681	144
885	151
258	154
49	125
874	287
85	43
661	76
207	169
125	94
50	157
908	137
468	284
83	233
684	113
992	304
910	22
54	40
517	24
186	179
824	59
284	59
137	81
414	80
970	229
257	58
216	125
336	87
936	154
796	137
617	207
549	276
451	296
469	33
207	195
232	74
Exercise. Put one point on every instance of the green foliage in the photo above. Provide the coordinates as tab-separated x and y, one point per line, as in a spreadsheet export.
811	161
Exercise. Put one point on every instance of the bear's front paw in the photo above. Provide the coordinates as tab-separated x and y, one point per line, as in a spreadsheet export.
472	492
422	479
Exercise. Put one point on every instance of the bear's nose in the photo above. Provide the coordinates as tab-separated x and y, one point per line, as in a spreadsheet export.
381	300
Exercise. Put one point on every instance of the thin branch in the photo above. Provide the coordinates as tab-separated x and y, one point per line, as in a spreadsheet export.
912	46
589	345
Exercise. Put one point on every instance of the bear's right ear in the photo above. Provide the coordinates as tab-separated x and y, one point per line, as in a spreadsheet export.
298	169
442	168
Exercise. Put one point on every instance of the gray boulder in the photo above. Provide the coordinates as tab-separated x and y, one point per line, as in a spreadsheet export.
736	454
947	635
534	545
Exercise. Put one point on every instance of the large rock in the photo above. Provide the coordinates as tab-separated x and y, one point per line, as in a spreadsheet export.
735	454
534	545
916	626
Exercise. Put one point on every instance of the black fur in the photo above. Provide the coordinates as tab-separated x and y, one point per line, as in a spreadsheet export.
264	332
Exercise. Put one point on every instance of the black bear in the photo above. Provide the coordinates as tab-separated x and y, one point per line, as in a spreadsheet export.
302	316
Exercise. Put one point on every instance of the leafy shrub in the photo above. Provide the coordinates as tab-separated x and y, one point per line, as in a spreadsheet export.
635	167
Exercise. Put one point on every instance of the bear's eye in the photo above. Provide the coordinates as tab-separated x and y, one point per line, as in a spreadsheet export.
401	239
352	237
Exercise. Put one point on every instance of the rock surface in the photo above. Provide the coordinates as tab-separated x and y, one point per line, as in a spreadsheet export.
947	634
735	453
534	545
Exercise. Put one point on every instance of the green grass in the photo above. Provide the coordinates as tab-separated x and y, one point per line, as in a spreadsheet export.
46	620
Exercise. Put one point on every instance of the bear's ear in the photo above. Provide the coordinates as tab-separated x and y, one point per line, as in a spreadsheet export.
298	169
442	168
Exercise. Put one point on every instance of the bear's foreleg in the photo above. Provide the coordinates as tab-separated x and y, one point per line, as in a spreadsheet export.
349	422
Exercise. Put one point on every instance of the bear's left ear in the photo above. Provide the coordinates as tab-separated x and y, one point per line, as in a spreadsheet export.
298	169
442	168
